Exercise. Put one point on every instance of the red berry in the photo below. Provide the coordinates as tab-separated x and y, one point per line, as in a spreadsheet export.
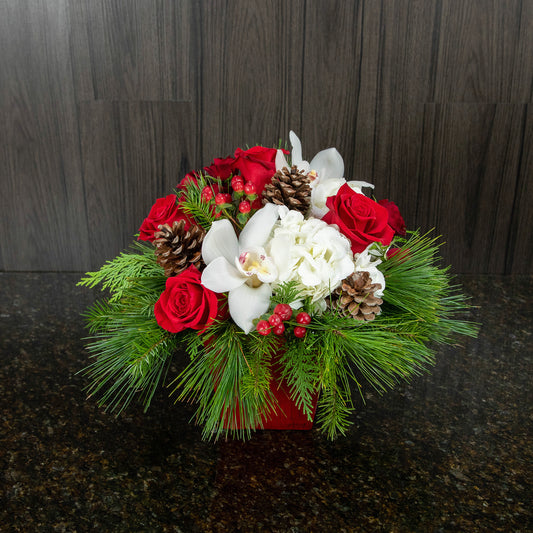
249	188
303	318
300	331
263	327
207	194
222	198
244	206
237	184
284	311
275	320
279	329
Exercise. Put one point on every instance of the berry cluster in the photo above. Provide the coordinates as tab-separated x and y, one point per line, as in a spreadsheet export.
275	323
243	197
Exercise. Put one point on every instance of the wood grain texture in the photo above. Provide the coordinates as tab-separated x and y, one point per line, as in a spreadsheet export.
468	178
332	63
43	222
397	76
106	104
133	153
519	251
135	50
251	72
485	52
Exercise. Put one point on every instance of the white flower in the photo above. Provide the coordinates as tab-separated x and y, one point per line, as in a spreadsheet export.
366	262
326	170
240	266
310	252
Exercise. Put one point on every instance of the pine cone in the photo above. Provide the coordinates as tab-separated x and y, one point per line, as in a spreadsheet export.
355	297
290	188
176	248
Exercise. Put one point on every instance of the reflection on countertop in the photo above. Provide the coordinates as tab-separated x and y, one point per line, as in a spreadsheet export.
450	451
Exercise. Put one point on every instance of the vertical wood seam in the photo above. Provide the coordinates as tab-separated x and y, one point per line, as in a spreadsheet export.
512	235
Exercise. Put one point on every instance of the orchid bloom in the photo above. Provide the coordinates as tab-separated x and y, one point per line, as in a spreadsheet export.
240	266
326	170
367	262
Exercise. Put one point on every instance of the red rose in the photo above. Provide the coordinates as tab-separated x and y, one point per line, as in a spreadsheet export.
257	165
190	178
396	221
186	303
221	168
164	211
359	218
401	254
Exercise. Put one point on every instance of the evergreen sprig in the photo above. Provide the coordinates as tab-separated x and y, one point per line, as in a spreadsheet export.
192	203
116	275
228	380
418	287
230	373
131	351
286	293
300	369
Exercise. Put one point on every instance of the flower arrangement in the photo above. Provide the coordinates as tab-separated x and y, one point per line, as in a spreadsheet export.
273	274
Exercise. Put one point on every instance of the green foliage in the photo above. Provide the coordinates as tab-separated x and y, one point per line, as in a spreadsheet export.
228	377
421	306
285	293
131	351
418	288
193	205
300	369
229	373
116	275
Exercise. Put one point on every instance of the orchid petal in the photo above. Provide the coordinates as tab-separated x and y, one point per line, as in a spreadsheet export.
281	161
221	276
220	241
258	228
296	148
296	154
279	248
328	164
246	303
359	185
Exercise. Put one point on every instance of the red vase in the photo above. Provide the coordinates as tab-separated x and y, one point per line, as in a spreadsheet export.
286	415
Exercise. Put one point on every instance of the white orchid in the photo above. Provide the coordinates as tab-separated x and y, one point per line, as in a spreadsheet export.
327	174
367	262
240	266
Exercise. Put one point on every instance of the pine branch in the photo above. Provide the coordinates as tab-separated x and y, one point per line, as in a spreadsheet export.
419	287
228	378
301	372
117	274
286	293
333	412
131	351
192	203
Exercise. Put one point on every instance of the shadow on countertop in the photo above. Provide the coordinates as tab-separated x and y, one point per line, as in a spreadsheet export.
450	451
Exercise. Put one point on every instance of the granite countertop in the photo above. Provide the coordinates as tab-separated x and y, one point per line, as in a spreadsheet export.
449	451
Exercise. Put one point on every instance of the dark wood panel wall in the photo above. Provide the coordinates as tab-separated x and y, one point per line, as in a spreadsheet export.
106	104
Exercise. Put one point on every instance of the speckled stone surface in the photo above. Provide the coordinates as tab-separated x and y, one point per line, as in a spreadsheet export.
451	451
